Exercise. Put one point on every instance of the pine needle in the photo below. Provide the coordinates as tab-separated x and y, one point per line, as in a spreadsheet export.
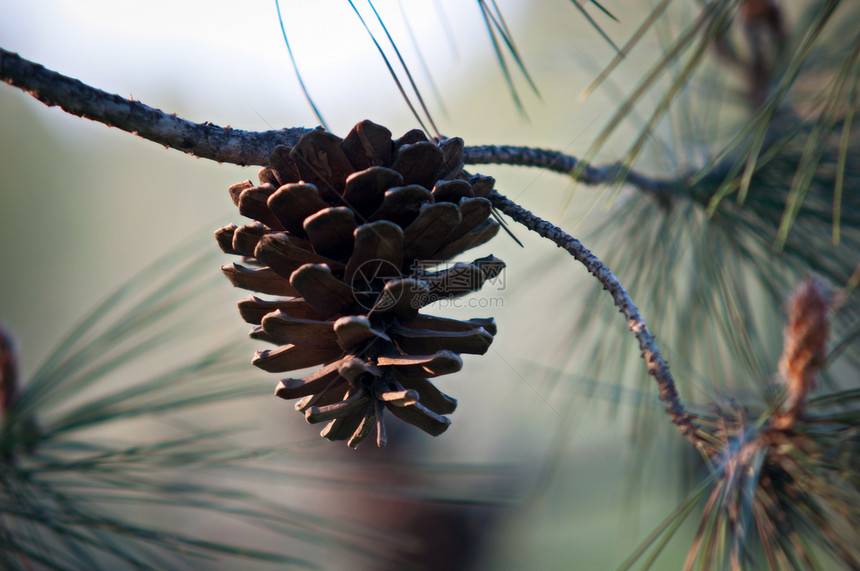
295	65
650	20
502	27
405	69
59	475
595	25
391	71
425	68
491	30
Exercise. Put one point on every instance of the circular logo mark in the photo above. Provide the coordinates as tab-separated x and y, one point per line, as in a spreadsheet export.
368	283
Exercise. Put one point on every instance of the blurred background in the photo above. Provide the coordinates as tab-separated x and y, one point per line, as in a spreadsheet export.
542	466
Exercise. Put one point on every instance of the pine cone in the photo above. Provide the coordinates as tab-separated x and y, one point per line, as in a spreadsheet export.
345	233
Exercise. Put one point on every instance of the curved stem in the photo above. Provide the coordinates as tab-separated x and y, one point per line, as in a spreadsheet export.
657	367
559	162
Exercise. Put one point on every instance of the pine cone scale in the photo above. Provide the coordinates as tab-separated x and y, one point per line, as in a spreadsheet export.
293	357
365	190
429	231
325	293
330	231
253	309
377	253
286	330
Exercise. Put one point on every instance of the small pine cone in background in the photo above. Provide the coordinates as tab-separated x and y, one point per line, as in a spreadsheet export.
805	345
8	373
345	234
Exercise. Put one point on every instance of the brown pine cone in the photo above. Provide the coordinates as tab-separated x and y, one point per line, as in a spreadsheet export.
345	233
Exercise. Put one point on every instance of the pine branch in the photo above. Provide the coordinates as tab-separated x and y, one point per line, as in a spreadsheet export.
224	144
569	165
204	140
650	352
228	145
